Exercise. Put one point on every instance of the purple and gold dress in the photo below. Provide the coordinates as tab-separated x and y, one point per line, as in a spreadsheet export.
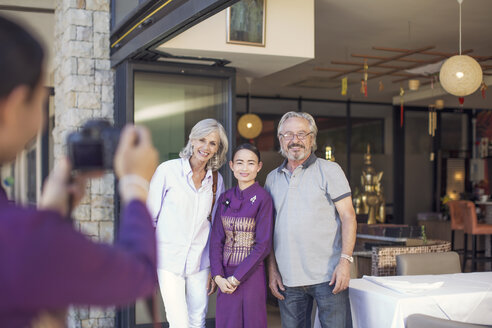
241	239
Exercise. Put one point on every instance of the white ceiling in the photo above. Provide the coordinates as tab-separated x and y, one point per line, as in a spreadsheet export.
355	26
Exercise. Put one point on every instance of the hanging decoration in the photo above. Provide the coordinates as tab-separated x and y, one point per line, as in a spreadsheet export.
249	125
439	104
483	88
413	85
344	86
381	86
460	75
362	86
432	120
402	92
366	67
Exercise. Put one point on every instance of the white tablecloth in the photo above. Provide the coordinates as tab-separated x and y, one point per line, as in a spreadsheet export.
465	297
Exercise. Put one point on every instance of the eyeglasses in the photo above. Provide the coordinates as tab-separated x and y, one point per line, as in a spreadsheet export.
290	135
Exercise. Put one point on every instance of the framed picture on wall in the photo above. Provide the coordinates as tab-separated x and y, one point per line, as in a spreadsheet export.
246	22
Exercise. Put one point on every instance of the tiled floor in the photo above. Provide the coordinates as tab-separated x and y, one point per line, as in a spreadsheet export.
273	317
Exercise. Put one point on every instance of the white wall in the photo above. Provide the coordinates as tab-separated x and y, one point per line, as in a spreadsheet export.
289	39
289	32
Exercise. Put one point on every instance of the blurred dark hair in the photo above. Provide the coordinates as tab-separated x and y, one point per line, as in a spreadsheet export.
247	146
21	58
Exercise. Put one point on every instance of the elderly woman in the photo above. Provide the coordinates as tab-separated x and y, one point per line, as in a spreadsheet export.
181	197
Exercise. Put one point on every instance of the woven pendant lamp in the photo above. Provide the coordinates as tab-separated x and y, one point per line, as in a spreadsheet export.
460	75
249	125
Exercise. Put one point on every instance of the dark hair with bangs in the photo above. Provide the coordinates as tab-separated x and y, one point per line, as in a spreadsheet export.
21	58
249	147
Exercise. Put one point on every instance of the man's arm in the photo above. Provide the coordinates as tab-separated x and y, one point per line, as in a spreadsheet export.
274	277
341	275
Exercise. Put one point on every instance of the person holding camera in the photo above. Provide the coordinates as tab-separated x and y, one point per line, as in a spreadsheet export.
181	200
46	265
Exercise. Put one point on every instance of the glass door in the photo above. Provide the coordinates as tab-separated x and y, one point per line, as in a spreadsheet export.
170	105
169	99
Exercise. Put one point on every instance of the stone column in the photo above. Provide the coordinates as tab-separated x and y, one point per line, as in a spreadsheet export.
84	85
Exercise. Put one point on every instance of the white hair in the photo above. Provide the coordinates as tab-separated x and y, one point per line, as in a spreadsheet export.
203	129
312	127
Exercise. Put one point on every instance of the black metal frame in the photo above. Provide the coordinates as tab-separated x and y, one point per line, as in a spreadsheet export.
27	9
45	139
124	113
436	148
174	18
348	112
398	166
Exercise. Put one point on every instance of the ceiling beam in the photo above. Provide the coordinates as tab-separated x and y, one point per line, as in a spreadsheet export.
336	62
411	77
435	60
484	68
410	60
382	61
341	70
431	53
426	93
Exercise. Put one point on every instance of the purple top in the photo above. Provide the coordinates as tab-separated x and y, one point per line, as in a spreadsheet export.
47	265
242	231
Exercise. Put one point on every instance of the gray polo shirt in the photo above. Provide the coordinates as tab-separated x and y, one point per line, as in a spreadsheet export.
307	238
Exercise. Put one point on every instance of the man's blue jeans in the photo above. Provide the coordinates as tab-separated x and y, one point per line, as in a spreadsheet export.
333	309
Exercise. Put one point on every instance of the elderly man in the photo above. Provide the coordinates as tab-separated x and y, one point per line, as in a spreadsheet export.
315	229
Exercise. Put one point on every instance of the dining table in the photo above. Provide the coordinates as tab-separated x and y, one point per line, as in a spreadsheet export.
388	301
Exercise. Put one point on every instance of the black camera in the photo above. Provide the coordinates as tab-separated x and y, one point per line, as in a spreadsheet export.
94	146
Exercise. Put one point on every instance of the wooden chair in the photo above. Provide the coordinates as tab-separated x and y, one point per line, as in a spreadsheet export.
457	220
427	263
466	210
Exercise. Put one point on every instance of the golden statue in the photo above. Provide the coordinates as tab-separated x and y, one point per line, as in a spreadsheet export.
329	154
371	200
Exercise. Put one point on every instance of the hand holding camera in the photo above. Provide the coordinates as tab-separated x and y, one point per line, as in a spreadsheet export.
61	187
96	148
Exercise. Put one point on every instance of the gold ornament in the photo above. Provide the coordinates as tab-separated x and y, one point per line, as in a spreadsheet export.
371	200
413	85
329	154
